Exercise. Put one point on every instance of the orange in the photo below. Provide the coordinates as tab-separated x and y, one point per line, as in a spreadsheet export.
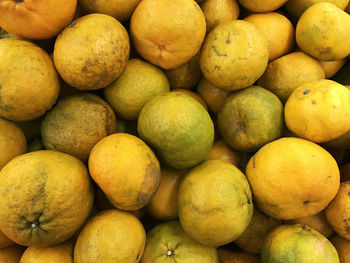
36	19
338	211
318	110
229	256
278	31
343	248
194	95
12	142
11	254
111	236
317	222
253	237
284	174
100	60
211	195
167	33
320	32
5	241
297	7
77	123
125	169
262	5
46	197
332	67
167	243
61	253
286	73
27	74
251	118
219	11
221	150
119	9
234	55
163	204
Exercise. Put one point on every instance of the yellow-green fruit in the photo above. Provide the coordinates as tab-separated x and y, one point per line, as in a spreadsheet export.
92	51
77	123
111	236
318	110
178	128
139	82
29	84
168	243
251	118
322	32
234	55
46	197
286	73
262	5
215	203
297	7
297	243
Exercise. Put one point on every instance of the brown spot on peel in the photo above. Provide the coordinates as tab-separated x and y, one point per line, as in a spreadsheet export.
149	185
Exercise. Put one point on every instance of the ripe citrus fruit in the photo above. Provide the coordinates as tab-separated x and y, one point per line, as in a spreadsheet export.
297	7
168	242
286	73
167	33
126	170
318	110
27	75
5	241
111	236
211	195
247	128
234	55
100	60
332	67
11	254
12	142
284	174
278	31
194	95
342	246
172	122
221	150
297	243
77	123
262	5
46	196
139	82
38	19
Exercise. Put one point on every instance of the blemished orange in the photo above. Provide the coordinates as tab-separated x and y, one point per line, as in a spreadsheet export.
283	176
126	170
167	33
36	19
278	31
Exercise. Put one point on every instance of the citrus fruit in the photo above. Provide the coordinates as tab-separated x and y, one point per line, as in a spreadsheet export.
27	74
167	243
5	241
221	150
262	5
320	32
38	19
172	122
185	76
253	237
297	243
61	253
138	83
318	110
12	141
219	11
343	248
332	67
286	73
234	55
194	95
211	196
111	236
251	118
284	174
77	123
278	31
46	196
167	33
163	204
101	58
229	256
317	222
338	211
297	7
119	9
125	169
11	254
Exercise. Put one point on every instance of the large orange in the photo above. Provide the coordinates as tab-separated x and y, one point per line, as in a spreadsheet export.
36	19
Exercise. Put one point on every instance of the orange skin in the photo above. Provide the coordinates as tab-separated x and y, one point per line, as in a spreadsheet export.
36	19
